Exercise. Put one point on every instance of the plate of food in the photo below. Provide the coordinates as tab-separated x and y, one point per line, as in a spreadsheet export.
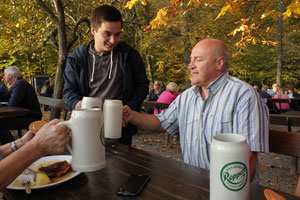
46	172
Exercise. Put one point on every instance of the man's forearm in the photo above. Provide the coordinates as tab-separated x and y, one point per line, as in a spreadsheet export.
17	162
146	121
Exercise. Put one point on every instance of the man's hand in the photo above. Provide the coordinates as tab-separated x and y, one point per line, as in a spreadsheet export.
78	105
126	115
50	139
27	137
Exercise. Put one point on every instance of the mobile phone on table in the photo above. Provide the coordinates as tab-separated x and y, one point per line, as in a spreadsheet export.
133	185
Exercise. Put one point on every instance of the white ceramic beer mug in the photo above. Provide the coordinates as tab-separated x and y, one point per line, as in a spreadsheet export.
88	153
113	112
91	102
229	168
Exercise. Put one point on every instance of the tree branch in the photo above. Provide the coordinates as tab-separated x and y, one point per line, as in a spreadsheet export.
52	38
47	10
74	35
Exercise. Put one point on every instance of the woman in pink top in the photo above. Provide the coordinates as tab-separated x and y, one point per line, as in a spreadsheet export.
280	95
168	95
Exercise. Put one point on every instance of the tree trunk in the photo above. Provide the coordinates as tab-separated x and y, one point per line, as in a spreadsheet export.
149	66
62	56
279	50
186	54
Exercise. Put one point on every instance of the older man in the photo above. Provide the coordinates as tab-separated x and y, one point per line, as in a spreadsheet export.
21	94
216	104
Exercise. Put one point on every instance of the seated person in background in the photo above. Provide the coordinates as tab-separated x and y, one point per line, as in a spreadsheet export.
274	90
256	88
21	94
50	139
264	94
154	95
168	95
281	95
162	86
292	93
3	92
217	103
46	90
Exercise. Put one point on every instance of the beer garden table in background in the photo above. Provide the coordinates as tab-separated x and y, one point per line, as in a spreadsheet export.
170	179
9	111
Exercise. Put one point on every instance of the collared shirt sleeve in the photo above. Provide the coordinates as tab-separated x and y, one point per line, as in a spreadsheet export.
169	119
252	121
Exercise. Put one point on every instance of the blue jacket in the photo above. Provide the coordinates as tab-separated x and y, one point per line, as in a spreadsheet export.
135	81
23	95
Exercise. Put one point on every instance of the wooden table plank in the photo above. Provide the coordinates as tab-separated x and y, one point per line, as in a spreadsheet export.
10	111
169	180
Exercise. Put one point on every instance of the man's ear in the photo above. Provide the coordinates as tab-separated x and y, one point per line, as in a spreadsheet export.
93	30
221	63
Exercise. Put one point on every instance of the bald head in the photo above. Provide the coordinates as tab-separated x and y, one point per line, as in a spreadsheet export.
216	47
209	59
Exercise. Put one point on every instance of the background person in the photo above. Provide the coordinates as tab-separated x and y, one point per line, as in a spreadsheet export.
3	92
281	95
46	90
21	94
106	68
256	88
167	96
274	90
292	93
264	94
154	95
50	139
216	104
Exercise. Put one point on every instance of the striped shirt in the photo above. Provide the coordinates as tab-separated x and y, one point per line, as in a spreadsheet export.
232	106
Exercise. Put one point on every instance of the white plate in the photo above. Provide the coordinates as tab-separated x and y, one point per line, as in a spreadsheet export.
4	103
48	159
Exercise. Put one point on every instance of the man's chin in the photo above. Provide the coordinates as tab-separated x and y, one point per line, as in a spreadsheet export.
110	48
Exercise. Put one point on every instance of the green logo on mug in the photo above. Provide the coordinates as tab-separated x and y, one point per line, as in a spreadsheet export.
234	176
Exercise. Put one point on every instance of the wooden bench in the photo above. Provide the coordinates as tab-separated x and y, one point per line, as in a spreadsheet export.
57	103
288	121
284	142
154	104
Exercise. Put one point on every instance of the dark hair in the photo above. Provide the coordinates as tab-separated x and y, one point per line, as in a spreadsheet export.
291	88
105	13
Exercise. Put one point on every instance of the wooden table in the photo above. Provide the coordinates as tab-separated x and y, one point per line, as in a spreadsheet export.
9	111
170	179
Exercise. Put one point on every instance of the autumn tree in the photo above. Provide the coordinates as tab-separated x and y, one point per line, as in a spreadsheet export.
252	19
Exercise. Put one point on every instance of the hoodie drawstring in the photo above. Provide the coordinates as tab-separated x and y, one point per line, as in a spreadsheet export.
94	60
111	64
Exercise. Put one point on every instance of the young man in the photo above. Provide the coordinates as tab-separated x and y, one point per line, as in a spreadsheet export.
106	68
21	94
216	104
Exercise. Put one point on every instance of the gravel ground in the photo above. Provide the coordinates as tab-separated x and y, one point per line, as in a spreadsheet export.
273	168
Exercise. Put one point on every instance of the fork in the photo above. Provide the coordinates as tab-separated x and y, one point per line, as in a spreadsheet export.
26	182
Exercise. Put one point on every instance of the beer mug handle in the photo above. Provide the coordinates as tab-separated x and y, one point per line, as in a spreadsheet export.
102	137
67	124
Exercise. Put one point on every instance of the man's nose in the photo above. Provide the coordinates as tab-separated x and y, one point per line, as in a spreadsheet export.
113	39
191	65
